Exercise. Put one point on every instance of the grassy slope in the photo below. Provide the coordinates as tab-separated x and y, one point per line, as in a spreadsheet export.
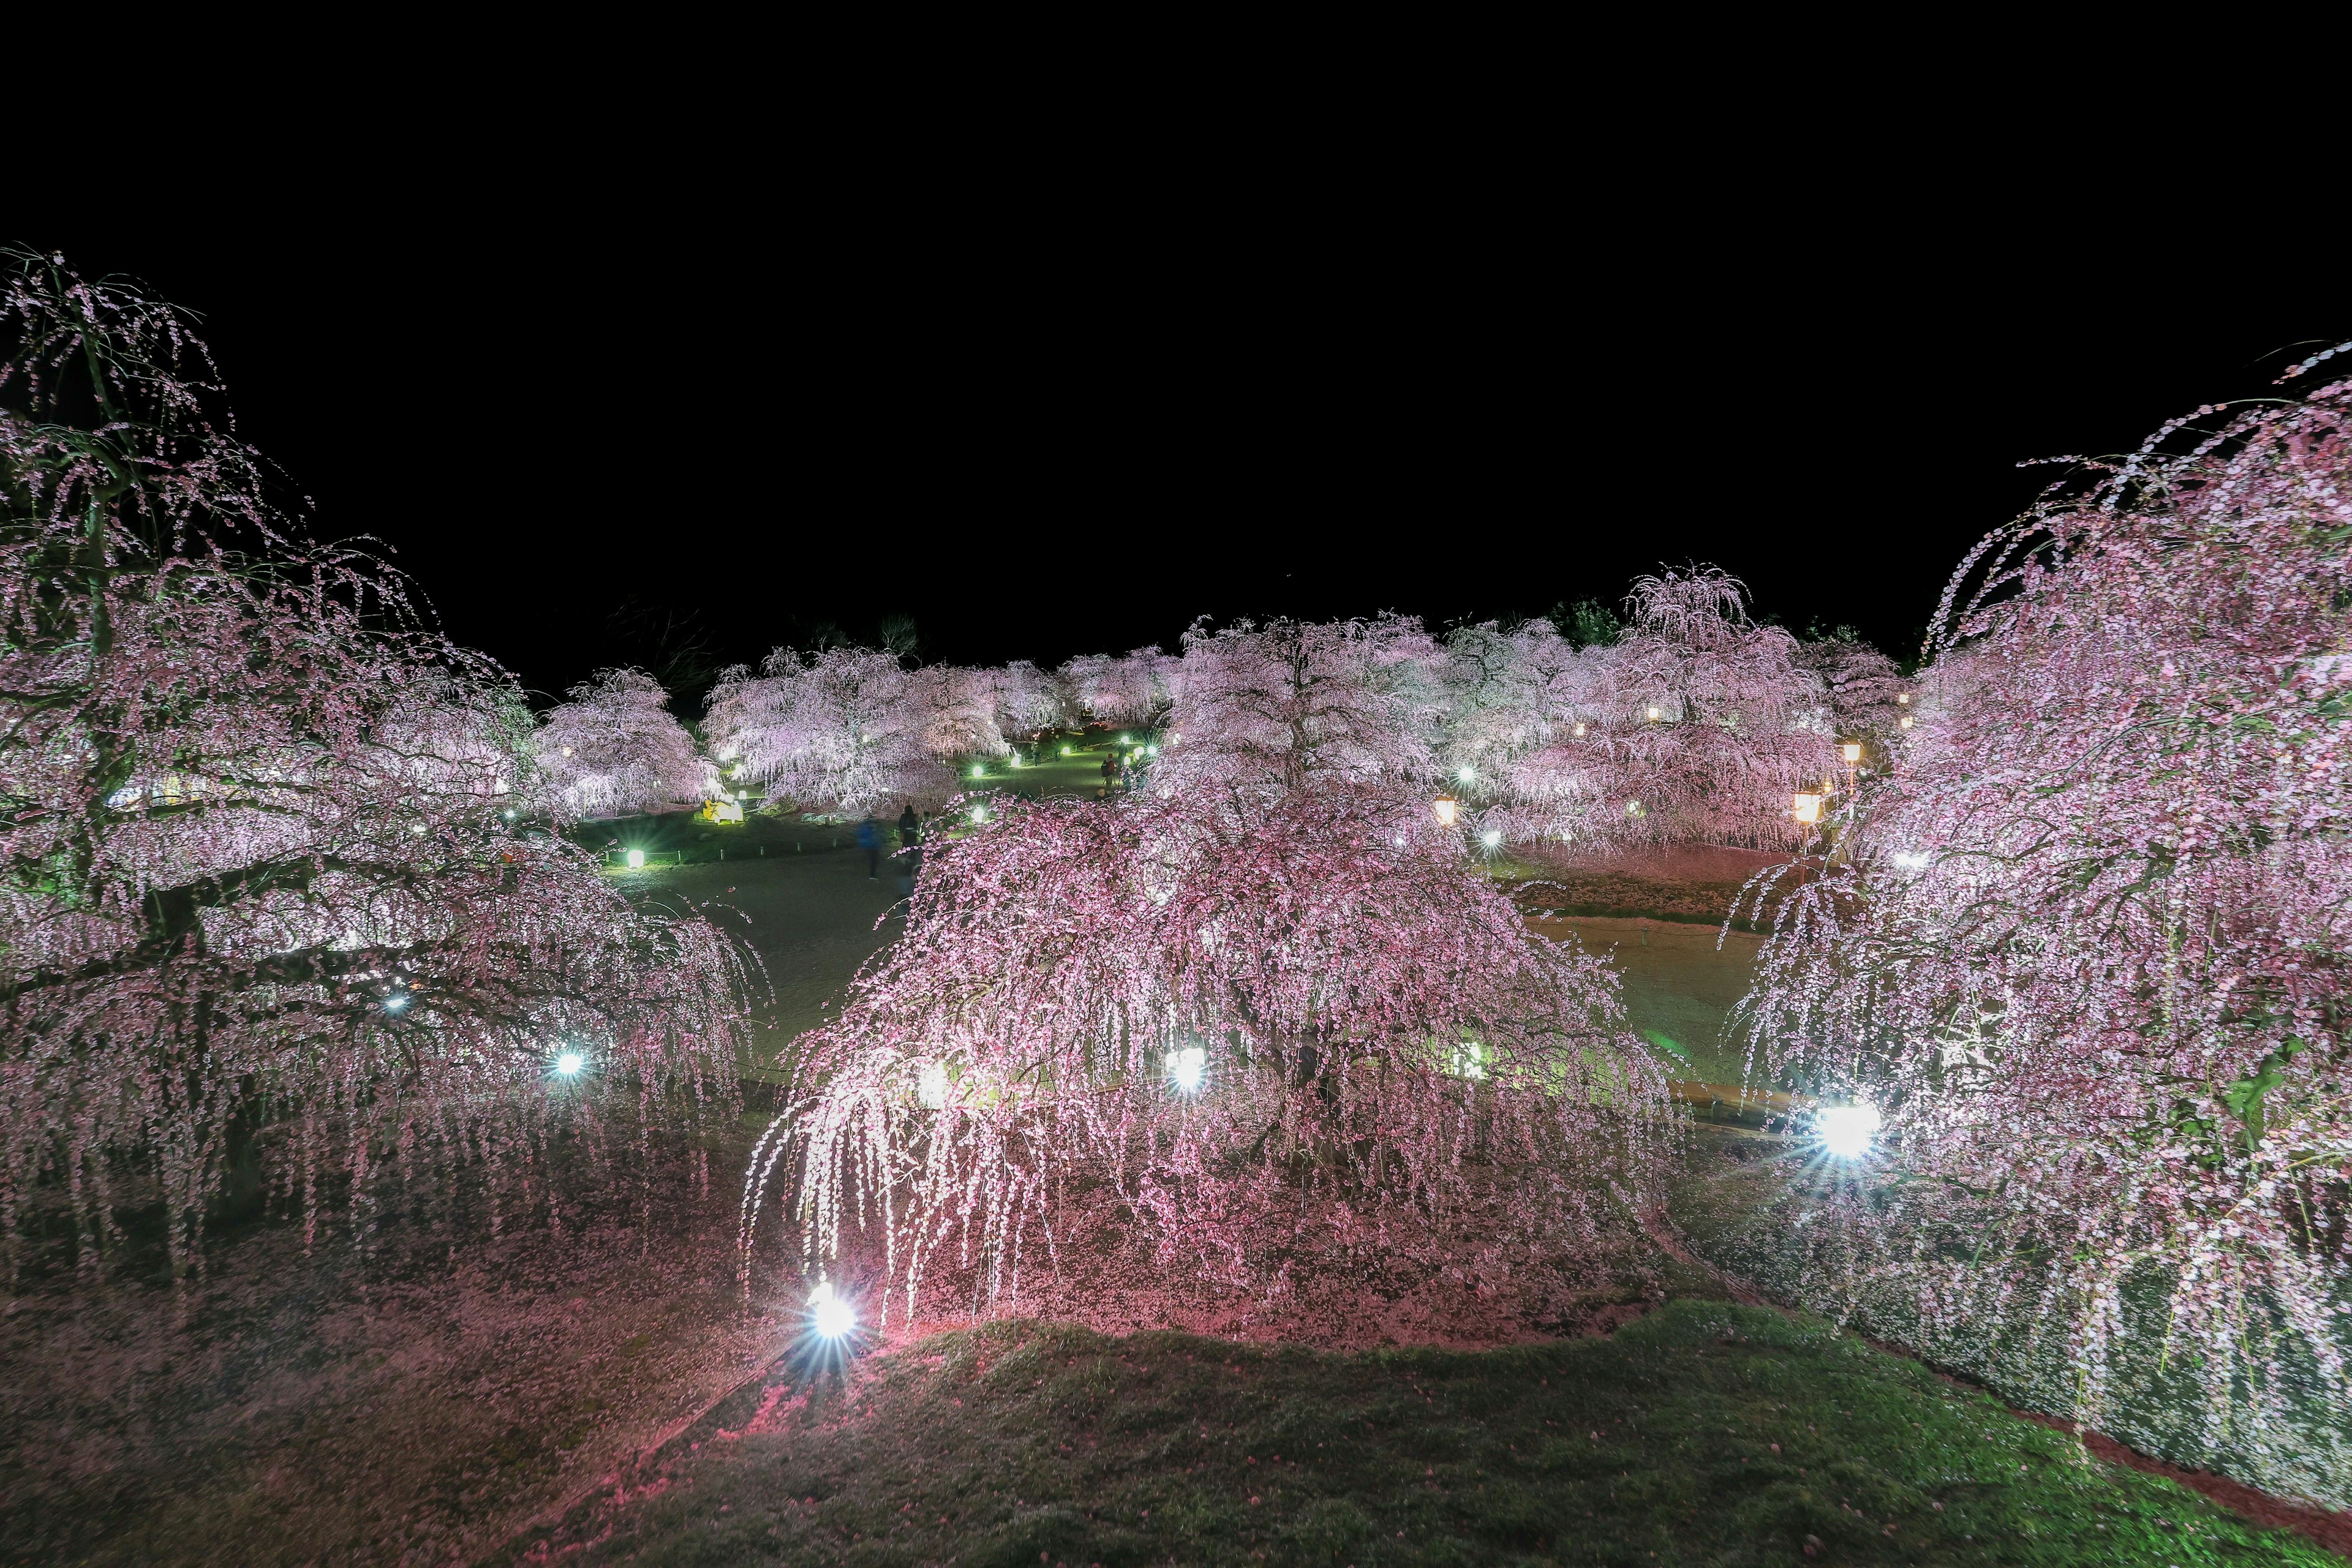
1021	1443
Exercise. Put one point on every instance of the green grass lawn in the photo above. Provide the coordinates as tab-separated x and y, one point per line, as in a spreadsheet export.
1703	1433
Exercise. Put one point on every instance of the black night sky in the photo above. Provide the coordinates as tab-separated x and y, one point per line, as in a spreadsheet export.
596	438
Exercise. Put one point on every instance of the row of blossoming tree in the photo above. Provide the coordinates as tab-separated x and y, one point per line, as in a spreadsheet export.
1697	723
2089	949
273	897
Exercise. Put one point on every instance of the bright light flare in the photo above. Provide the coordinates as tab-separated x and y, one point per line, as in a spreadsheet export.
1188	1067
1065	751
395	1002
569	1063
1466	775
1846	1130
829	1315
1492	837
636	858
1656	714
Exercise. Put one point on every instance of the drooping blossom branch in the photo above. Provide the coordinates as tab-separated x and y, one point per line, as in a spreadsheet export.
2089	947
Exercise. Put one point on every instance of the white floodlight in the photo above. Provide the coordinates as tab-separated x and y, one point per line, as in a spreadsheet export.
395	1002
1187	1068
1467	774
1846	1130
569	1063
636	859
1492	837
829	1315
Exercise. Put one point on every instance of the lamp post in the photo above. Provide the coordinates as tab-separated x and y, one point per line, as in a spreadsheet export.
1447	808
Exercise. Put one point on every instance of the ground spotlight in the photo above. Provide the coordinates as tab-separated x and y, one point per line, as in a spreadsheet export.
1187	1068
636	859
1846	1130
1492	837
829	1315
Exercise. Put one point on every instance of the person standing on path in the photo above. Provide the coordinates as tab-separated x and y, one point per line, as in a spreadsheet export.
869	839
910	850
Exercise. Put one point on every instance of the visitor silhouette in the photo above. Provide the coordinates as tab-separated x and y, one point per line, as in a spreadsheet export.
869	839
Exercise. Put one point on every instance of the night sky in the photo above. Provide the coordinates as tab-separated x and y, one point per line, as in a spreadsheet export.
670	436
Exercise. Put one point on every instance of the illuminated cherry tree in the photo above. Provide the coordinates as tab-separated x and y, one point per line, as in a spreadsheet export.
1287	704
2089	954
1698	724
265	892
1134	688
614	748
1299	1034
1028	701
850	729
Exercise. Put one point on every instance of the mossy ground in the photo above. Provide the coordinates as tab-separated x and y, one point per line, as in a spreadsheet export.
1703	1433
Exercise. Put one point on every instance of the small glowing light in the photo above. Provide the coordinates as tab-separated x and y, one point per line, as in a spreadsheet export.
1491	837
979	773
567	750
1173	739
931	1086
636	859
1853	750
417	828
510	816
979	813
1400	840
1467	774
1065	751
1127	740
569	1063
1150	751
1445	806
1846	1130
829	1315
1910	860
1904	697
1187	1068
1579	730
1633	808
1807	808
395	1002
1905	720
1655	713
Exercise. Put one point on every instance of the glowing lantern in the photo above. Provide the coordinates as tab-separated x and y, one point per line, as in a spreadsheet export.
1904	698
1579	730
1853	750
567	750
1905	720
931	1086
1807	808
1445	806
1656	714
636	859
